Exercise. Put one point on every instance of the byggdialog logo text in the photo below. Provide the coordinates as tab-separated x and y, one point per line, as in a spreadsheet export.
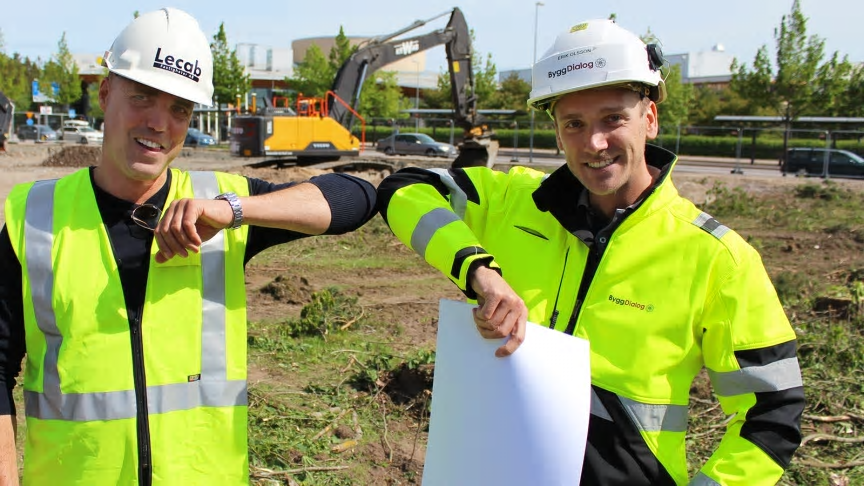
570	68
630	303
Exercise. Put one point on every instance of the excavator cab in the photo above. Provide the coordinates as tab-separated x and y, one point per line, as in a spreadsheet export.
311	106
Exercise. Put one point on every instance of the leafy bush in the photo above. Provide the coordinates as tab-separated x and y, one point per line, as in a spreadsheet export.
791	286
722	201
828	191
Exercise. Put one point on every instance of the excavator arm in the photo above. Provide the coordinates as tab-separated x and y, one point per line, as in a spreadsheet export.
477	148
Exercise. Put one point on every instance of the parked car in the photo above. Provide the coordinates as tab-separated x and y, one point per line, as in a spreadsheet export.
197	138
811	161
42	133
414	144
81	132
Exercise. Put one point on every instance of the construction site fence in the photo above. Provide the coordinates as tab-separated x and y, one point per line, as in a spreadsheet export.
749	143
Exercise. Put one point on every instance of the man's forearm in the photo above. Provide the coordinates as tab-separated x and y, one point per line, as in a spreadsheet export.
8	454
301	208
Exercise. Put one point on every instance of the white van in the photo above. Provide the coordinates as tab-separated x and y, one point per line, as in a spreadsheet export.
80	131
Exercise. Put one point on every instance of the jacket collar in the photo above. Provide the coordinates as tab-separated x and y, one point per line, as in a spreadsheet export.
559	193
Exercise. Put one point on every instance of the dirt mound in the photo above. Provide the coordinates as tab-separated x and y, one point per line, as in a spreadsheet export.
288	289
74	157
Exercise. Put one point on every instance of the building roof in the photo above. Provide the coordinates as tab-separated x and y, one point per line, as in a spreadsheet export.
712	66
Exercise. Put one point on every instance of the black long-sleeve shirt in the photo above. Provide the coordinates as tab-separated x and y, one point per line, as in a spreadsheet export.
351	200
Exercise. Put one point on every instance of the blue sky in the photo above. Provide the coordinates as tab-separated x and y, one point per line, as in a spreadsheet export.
504	28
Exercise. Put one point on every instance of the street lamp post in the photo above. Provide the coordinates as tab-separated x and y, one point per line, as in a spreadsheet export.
537	6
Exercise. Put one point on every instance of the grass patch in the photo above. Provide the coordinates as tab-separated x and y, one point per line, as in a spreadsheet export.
344	401
372	246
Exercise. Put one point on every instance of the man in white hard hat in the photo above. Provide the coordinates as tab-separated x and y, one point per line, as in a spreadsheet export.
125	284
605	249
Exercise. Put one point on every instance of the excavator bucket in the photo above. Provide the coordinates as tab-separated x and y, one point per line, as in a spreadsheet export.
473	153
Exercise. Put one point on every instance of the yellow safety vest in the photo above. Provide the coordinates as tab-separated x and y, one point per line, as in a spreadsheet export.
80	399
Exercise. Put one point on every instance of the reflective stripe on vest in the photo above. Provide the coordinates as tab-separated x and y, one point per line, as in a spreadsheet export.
711	225
458	198
212	390
429	224
647	417
776	376
701	479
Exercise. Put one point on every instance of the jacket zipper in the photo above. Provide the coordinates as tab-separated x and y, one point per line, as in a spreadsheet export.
145	468
587	276
560	284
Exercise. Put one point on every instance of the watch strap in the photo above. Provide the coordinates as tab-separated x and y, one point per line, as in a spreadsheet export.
236	208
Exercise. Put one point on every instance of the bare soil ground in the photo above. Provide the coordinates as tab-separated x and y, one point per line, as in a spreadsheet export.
281	285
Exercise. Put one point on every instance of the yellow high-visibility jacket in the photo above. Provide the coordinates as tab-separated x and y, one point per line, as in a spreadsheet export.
80	388
662	292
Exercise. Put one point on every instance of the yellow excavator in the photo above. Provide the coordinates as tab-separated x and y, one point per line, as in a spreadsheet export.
319	129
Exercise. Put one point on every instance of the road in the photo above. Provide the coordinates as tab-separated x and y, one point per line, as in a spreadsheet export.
686	163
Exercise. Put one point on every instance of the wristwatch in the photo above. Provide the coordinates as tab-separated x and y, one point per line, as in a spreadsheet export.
236	208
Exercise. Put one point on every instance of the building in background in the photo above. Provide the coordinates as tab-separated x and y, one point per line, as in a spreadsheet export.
705	68
268	68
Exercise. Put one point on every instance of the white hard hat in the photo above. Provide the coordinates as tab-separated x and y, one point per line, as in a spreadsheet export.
165	50
593	54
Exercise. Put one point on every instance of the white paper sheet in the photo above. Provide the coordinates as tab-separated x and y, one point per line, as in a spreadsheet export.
520	420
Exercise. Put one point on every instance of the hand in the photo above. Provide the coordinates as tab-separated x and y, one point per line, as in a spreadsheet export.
8	455
501	313
188	223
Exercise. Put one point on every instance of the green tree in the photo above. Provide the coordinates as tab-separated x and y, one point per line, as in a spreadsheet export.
832	86
853	104
381	97
679	96
485	83
93	91
675	110
801	84
708	102
16	74
756	84
313	76
512	94
229	77
341	51
62	70
485	79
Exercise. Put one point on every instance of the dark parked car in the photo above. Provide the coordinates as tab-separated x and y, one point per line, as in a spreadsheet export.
414	144
197	138
811	161
42	133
